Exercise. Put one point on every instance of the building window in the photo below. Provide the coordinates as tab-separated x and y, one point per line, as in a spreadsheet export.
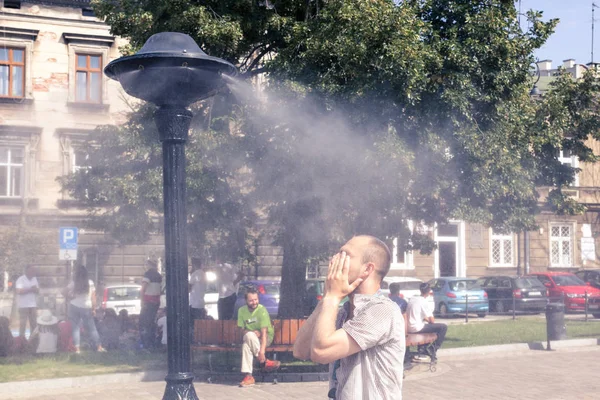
88	78
561	246
12	72
11	171
566	157
502	250
401	259
80	161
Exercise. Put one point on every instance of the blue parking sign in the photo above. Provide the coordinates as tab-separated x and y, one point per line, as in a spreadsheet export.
67	238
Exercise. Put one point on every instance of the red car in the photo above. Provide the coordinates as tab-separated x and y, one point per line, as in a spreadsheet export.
567	286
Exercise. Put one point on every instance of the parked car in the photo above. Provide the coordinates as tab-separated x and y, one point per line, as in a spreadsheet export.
451	296
590	276
268	295
568	287
122	297
409	287
527	293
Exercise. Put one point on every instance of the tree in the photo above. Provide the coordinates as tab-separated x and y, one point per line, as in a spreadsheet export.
434	95
122	187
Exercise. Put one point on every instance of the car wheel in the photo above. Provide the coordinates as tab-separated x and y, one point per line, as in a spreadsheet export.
596	315
443	310
500	307
482	315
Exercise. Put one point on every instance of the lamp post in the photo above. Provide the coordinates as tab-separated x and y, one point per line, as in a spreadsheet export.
172	72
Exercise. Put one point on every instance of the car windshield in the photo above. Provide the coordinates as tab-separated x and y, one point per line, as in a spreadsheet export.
463	285
123	293
526	283
568	280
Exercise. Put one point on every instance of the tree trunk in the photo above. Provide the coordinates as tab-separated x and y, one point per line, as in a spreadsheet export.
293	276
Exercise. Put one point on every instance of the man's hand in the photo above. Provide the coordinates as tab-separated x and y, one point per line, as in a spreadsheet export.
261	356
337	285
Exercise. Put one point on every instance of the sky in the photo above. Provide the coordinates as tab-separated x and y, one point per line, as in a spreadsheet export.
573	35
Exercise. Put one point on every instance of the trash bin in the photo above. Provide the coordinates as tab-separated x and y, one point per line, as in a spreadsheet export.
555	321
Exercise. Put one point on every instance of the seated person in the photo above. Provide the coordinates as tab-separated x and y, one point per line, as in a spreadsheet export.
396	298
6	338
110	330
161	323
254	319
46	333
420	317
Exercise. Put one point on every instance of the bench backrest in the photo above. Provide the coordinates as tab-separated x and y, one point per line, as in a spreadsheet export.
226	333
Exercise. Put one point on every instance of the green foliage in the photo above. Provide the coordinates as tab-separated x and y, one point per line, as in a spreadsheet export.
434	92
122	188
20	247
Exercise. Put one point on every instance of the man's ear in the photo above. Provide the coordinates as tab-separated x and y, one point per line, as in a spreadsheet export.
369	269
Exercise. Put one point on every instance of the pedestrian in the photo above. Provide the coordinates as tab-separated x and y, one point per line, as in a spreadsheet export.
228	280
365	344
27	288
150	294
254	320
197	286
82	308
421	320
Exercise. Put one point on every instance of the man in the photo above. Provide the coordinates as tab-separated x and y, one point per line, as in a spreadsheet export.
420	317
150	295
367	343
27	288
396	298
254	319
197	290
228	280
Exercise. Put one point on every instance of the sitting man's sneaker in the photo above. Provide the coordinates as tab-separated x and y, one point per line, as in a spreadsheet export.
271	365
420	357
247	381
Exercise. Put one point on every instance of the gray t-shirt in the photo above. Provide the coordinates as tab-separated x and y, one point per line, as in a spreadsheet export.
376	372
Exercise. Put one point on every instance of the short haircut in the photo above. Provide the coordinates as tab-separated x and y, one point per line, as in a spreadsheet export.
379	254
196	262
424	288
250	290
394	288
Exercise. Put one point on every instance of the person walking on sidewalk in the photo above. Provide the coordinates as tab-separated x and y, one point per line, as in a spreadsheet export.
150	294
420	317
254	319
365	346
197	286
27	288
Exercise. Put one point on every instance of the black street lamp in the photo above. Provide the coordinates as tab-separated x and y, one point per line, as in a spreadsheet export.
172	72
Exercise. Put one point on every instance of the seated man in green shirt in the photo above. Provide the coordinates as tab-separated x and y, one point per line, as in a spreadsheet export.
254	319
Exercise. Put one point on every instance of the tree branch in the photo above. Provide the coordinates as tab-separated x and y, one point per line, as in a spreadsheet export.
258	59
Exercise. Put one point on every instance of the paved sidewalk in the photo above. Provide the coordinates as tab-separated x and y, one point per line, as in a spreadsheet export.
564	374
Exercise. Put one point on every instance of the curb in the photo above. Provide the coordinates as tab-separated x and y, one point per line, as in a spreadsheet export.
516	347
154	376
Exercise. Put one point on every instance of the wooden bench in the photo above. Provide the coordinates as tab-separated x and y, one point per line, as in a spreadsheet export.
424	342
225	336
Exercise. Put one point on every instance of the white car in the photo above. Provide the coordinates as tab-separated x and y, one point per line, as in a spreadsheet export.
122	297
409	287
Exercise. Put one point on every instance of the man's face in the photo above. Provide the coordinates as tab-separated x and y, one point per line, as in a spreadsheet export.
252	301
30	272
355	249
